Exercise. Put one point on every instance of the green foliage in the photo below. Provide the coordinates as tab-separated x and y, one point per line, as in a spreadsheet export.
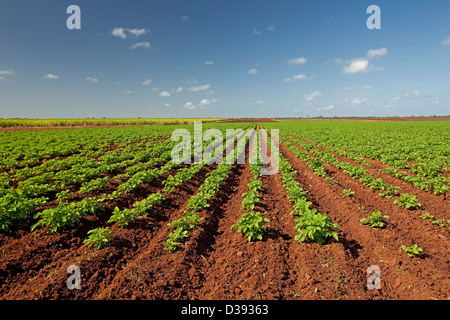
188	221
251	224
66	215
198	202
412	251
63	195
250	200
61	217
99	237
123	217
377	184
317	165
182	175
14	205
143	206
347	192
175	238
426	215
355	171
181	226
443	223
315	226
375	220
195	204
389	191
310	223
88	187
408	201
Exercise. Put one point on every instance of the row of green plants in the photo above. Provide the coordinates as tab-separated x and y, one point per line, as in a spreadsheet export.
311	224
31	148
310	144
252	223
314	164
420	147
141	208
436	184
443	223
200	201
196	203
428	176
65	215
407	201
27	191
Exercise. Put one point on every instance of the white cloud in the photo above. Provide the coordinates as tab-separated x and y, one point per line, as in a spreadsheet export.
93	80
296	77
207	102
179	89
259	101
7	72
122	32
253	71
361	65
2	78
297	61
357	88
190	106
155	89
312	95
357	66
185	18
330	107
164	94
355	102
119	32
446	41
411	94
257	32
209	62
51	76
199	88
137	32
143	44
167	105
147	82
270	28
128	91
335	61
376	52
405	96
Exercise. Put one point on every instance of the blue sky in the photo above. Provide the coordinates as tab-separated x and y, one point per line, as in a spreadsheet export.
224	59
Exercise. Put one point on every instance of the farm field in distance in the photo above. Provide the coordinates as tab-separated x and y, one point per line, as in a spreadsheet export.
348	195
9	124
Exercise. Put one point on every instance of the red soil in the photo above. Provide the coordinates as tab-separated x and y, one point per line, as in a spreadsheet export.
218	263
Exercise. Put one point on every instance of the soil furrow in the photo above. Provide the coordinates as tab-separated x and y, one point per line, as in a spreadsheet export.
436	205
375	247
65	248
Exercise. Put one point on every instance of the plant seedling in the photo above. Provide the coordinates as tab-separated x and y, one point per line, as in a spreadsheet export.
412	251
347	192
408	201
375	220
99	237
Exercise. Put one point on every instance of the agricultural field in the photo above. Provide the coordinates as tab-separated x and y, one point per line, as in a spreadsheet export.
351	202
12	124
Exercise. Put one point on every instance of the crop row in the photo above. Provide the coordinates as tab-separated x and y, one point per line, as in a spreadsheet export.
251	224
311	224
426	176
190	218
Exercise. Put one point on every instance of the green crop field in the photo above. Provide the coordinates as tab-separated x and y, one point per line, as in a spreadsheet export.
114	200
6	123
